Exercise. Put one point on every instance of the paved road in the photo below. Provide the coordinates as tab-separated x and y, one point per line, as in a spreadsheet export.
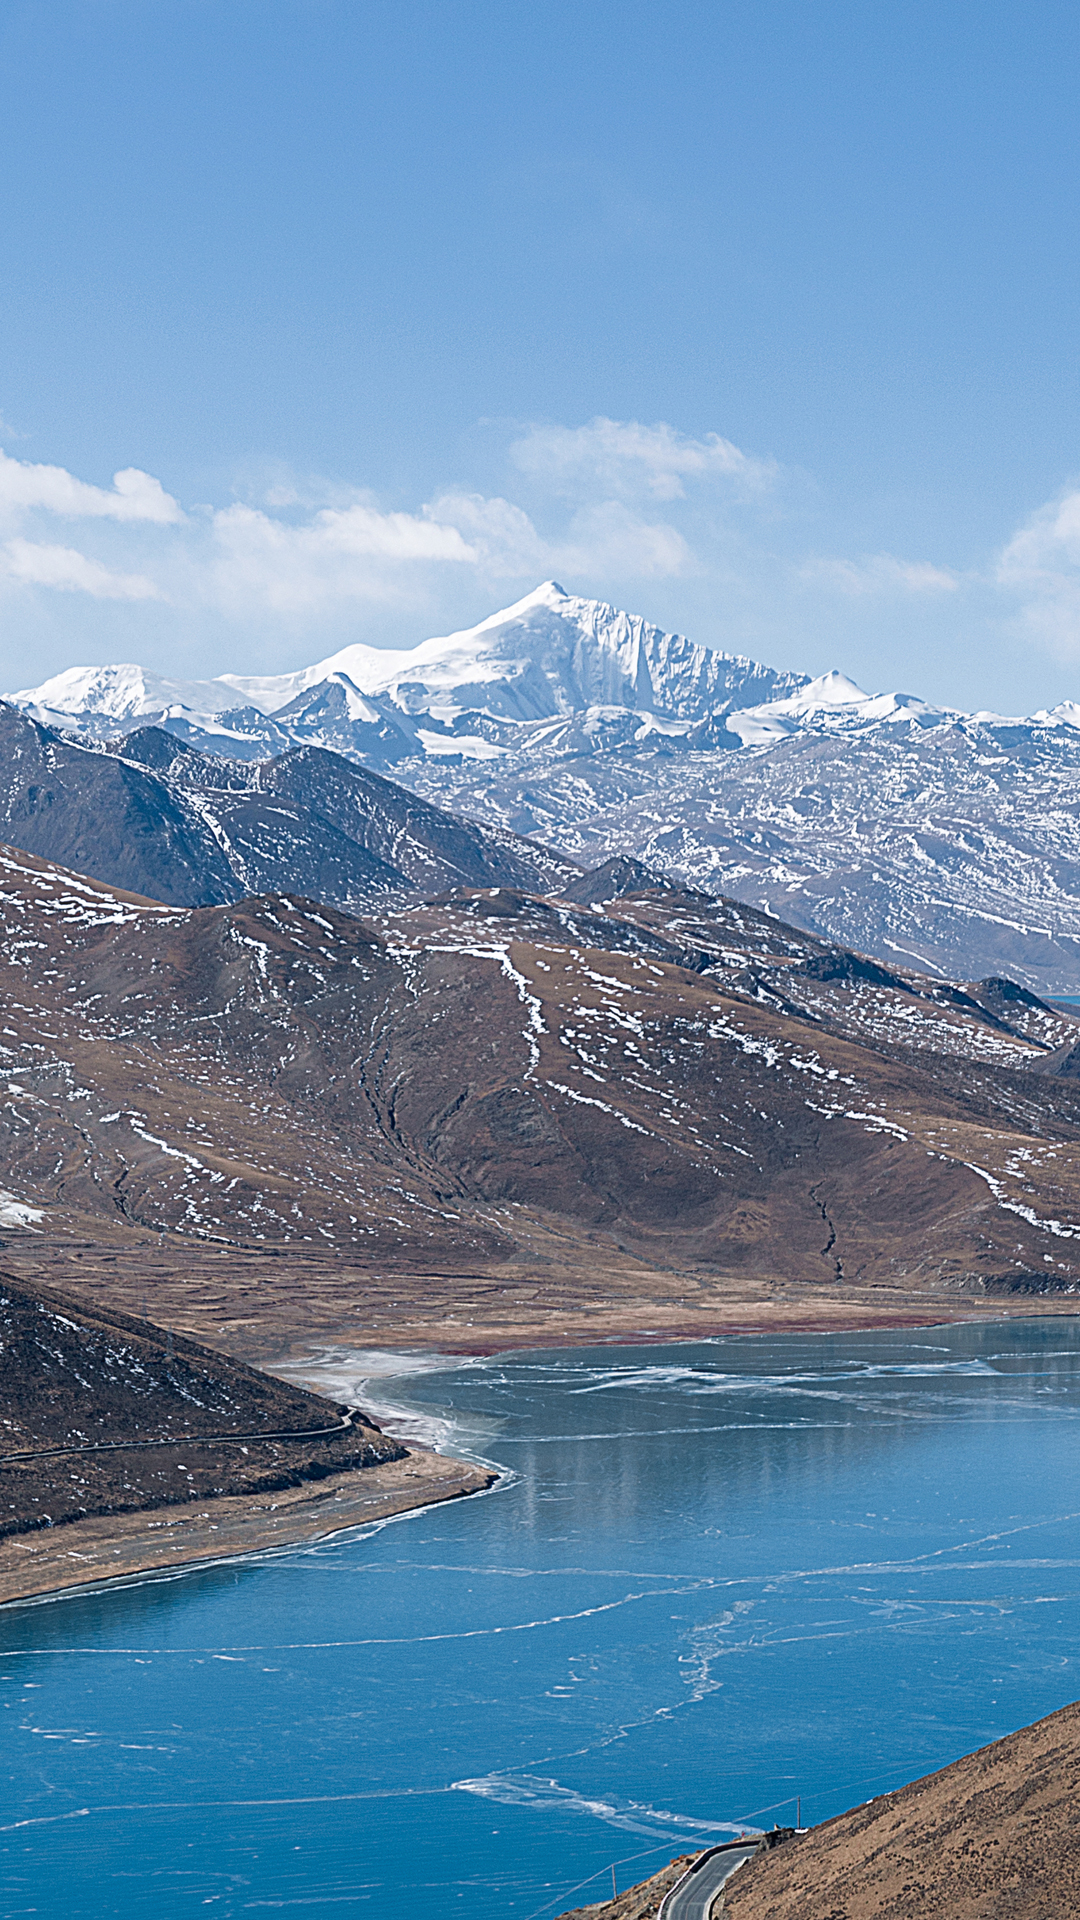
184	1440
696	1895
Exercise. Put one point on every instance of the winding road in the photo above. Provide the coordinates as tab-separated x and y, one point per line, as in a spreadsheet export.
692	1897
182	1440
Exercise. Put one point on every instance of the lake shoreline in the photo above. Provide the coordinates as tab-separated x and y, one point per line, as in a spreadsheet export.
431	1342
107	1549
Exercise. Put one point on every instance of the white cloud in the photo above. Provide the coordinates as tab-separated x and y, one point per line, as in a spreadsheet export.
598	542
294	555
359	554
134	496
64	568
500	536
627	459
387	536
880	573
348	553
610	540
1041	565
610	510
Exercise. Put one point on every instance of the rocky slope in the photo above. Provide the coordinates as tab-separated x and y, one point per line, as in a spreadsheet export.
945	839
193	829
493	1089
104	1414
952	846
993	1834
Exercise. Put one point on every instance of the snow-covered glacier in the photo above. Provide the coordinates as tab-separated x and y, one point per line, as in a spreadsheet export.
549	654
947	839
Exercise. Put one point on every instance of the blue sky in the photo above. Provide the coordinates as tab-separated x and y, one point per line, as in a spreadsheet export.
757	318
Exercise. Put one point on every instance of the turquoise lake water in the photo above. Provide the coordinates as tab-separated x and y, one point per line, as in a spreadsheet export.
717	1575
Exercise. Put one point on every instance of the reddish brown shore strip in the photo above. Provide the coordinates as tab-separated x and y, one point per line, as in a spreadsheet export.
612	1330
706	1330
110	1547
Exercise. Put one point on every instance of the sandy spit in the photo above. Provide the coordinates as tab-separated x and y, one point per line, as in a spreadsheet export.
87	1552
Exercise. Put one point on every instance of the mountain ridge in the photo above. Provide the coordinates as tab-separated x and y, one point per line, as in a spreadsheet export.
163	820
500	1110
917	833
609	653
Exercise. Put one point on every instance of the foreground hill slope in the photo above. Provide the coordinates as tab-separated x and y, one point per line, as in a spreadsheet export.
993	1834
127	1449
495	1107
106	1414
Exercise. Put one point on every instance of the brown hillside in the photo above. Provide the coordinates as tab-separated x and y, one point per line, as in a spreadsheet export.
992	1837
101	1414
495	1118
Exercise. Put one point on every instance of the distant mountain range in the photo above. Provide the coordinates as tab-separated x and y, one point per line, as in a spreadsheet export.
548	658
192	829
921	834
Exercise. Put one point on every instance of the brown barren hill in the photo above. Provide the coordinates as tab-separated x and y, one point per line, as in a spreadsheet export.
101	1413
992	1837
498	1119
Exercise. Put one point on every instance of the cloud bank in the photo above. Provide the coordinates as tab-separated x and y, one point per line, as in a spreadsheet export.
279	556
605	507
1040	567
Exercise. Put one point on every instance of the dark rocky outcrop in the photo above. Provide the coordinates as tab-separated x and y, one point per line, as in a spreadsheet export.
105	1414
616	877
836	963
106	817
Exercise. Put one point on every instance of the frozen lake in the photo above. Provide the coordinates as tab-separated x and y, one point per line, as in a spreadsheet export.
718	1575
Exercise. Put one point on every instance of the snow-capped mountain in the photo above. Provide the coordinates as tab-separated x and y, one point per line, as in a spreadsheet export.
551	655
878	820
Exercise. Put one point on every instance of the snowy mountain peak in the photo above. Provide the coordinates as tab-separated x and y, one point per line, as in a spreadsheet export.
551	654
1065	714
553	670
122	692
830	690
547	594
